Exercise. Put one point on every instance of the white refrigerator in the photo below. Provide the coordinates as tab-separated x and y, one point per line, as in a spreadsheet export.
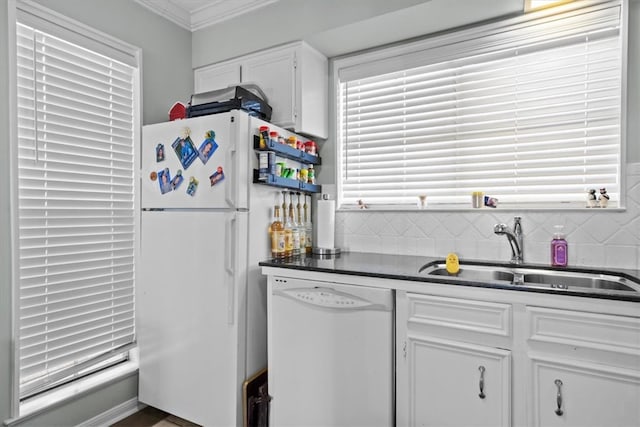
200	297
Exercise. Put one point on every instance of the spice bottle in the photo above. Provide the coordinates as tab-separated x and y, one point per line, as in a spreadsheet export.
311	175
264	136
273	136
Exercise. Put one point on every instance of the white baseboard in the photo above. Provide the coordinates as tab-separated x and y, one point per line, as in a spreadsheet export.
114	414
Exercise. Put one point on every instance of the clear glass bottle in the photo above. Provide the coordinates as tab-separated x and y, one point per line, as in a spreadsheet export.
284	206
276	230
559	248
301	227
308	226
288	237
295	230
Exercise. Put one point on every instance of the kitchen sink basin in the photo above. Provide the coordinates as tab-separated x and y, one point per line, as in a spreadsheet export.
477	273
583	280
538	277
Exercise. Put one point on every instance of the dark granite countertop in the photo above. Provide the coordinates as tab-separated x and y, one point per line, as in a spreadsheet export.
406	267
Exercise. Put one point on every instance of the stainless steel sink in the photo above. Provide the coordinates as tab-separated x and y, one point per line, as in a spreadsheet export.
570	280
477	273
538	277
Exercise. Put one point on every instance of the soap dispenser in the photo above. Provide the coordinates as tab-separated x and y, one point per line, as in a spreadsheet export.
559	249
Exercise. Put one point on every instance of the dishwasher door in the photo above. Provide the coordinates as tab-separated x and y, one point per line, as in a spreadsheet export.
330	354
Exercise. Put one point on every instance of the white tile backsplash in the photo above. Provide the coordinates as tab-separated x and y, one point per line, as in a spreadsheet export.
596	237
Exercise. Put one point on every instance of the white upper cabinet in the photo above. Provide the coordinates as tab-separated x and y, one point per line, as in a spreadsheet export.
294	78
217	76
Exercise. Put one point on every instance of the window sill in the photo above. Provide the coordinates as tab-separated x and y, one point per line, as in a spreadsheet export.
484	209
58	397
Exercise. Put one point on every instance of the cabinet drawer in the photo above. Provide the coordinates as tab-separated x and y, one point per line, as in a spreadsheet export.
460	314
595	331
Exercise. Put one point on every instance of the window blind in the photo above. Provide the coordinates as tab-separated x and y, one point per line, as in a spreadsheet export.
76	215
527	110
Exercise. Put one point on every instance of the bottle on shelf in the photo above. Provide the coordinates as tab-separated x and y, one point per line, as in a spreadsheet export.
308	226
288	237
264	136
276	231
284	206
273	136
301	227
311	175
295	230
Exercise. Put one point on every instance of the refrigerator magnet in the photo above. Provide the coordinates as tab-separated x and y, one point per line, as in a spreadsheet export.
217	176
153	175
164	180
185	150
193	186
177	180
208	147
159	153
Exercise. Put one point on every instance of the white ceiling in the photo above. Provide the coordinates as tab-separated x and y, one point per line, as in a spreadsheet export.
197	14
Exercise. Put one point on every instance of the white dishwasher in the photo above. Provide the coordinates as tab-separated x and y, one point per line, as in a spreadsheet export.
330	354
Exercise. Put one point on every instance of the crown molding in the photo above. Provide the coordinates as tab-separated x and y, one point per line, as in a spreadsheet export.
182	12
169	10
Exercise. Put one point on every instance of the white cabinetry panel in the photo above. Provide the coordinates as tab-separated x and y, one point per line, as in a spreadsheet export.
217	76
572	393
458	384
295	78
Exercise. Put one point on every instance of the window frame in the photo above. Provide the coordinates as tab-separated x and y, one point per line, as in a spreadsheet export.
410	52
56	24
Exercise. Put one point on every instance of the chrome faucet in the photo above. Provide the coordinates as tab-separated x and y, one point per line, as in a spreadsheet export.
515	239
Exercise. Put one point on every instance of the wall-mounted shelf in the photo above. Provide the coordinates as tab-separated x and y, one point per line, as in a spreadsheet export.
294	184
286	151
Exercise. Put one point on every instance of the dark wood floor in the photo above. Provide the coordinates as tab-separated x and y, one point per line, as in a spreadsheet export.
152	417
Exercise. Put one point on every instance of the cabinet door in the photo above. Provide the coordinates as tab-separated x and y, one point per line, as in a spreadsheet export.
216	76
449	383
274	72
572	393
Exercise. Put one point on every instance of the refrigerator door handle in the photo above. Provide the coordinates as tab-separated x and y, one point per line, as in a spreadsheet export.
231	190
230	245
230	262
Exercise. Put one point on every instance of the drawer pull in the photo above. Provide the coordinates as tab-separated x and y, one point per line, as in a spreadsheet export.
481	394
559	411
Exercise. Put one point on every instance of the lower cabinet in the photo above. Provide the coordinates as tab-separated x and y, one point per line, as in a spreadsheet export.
584	368
574	393
480	357
446	382
456	384
464	362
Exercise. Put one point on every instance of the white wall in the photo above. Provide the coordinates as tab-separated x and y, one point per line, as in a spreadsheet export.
166	48
167	77
337	27
281	22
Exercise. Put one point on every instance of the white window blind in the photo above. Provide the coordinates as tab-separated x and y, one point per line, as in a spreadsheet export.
76	214
527	110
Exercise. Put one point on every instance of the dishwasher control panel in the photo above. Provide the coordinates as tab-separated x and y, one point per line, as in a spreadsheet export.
326	297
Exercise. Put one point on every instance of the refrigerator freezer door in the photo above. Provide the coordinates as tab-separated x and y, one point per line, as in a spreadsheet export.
189	314
215	155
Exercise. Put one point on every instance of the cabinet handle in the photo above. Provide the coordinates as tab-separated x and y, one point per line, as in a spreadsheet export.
481	394
559	411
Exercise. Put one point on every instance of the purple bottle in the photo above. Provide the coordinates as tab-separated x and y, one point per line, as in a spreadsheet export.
559	249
